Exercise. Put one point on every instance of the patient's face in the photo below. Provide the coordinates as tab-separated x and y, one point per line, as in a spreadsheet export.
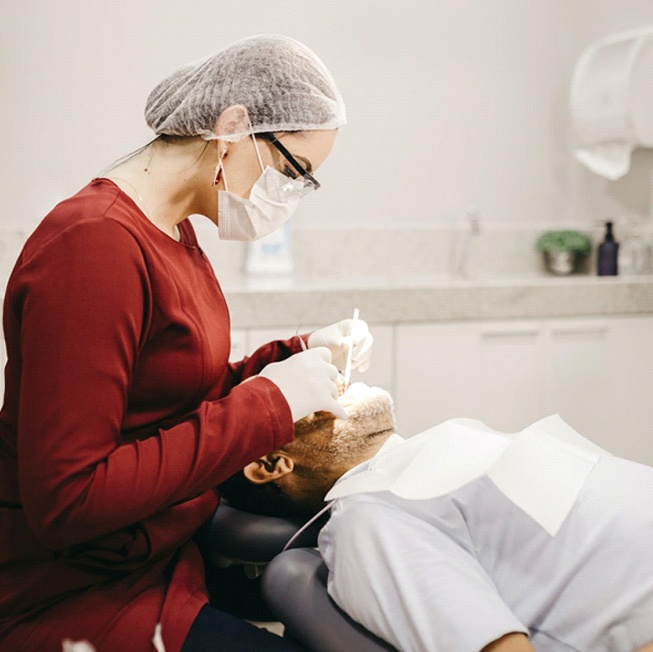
322	440
324	448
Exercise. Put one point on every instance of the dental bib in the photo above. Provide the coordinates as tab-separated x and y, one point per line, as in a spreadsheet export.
541	469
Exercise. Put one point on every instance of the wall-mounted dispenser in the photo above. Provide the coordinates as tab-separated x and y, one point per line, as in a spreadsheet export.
612	101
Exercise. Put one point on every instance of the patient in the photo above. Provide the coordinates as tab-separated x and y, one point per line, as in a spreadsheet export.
465	539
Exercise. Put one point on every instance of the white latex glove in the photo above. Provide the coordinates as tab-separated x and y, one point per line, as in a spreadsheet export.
308	382
337	338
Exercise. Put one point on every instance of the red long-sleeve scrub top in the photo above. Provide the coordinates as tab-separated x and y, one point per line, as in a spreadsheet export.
121	415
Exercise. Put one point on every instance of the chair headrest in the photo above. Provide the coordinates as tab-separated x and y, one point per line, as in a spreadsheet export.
253	538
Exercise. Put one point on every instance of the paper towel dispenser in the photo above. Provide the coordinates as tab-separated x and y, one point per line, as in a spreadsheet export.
612	101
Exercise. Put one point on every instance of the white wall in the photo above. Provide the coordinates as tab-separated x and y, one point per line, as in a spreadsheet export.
450	103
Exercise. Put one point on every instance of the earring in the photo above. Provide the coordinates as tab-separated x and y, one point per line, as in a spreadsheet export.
218	170
218	167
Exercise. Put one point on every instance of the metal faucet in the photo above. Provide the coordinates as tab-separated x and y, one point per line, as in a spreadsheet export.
474	224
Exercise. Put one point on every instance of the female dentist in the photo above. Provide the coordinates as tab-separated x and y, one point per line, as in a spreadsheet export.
122	412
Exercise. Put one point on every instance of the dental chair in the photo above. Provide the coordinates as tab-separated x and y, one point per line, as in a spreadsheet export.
249	576
295	588
236	547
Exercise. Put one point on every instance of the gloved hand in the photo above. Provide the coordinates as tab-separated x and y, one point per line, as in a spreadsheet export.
308	382
337	338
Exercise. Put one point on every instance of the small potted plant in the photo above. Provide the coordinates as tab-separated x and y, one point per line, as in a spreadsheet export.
563	249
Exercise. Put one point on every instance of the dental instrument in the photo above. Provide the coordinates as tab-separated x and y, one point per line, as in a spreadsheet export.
301	341
347	374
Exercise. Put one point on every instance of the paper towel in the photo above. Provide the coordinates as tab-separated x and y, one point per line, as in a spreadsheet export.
612	101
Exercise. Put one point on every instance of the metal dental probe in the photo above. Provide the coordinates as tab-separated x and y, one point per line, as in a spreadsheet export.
347	374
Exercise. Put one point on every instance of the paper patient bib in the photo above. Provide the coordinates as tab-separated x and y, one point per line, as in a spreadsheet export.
541	469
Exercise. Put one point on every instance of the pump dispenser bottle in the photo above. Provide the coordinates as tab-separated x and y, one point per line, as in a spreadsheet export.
608	253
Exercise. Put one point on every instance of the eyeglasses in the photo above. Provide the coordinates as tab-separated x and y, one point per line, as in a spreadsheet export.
310	182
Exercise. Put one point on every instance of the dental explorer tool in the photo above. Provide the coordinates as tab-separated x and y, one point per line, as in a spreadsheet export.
301	339
347	374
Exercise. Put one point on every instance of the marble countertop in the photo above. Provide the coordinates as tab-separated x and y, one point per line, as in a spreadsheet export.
304	300
403	278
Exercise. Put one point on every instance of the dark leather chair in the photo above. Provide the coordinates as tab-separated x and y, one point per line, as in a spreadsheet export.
294	587
249	576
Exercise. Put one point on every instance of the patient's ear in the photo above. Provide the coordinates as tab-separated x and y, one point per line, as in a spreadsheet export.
269	467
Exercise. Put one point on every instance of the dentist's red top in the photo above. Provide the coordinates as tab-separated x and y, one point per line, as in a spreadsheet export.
121	415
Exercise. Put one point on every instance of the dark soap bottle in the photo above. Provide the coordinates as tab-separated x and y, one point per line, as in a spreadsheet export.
608	253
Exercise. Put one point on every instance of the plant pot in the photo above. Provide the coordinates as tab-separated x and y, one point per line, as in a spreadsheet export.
561	262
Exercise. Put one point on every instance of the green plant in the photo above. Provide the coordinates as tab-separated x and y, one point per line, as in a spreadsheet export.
574	241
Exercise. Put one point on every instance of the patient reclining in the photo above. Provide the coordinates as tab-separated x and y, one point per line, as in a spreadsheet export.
463	538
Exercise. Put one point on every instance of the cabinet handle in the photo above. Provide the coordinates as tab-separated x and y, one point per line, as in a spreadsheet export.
498	334
598	331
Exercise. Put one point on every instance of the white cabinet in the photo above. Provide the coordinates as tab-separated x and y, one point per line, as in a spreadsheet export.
238	345
596	373
600	375
488	371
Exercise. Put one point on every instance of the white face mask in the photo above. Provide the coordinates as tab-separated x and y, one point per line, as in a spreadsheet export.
272	201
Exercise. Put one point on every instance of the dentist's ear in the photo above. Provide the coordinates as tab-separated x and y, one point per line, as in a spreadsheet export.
269	467
233	120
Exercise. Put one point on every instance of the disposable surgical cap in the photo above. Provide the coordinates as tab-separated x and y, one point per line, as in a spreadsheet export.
281	82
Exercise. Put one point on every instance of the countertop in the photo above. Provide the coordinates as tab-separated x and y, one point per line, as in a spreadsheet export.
304	300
